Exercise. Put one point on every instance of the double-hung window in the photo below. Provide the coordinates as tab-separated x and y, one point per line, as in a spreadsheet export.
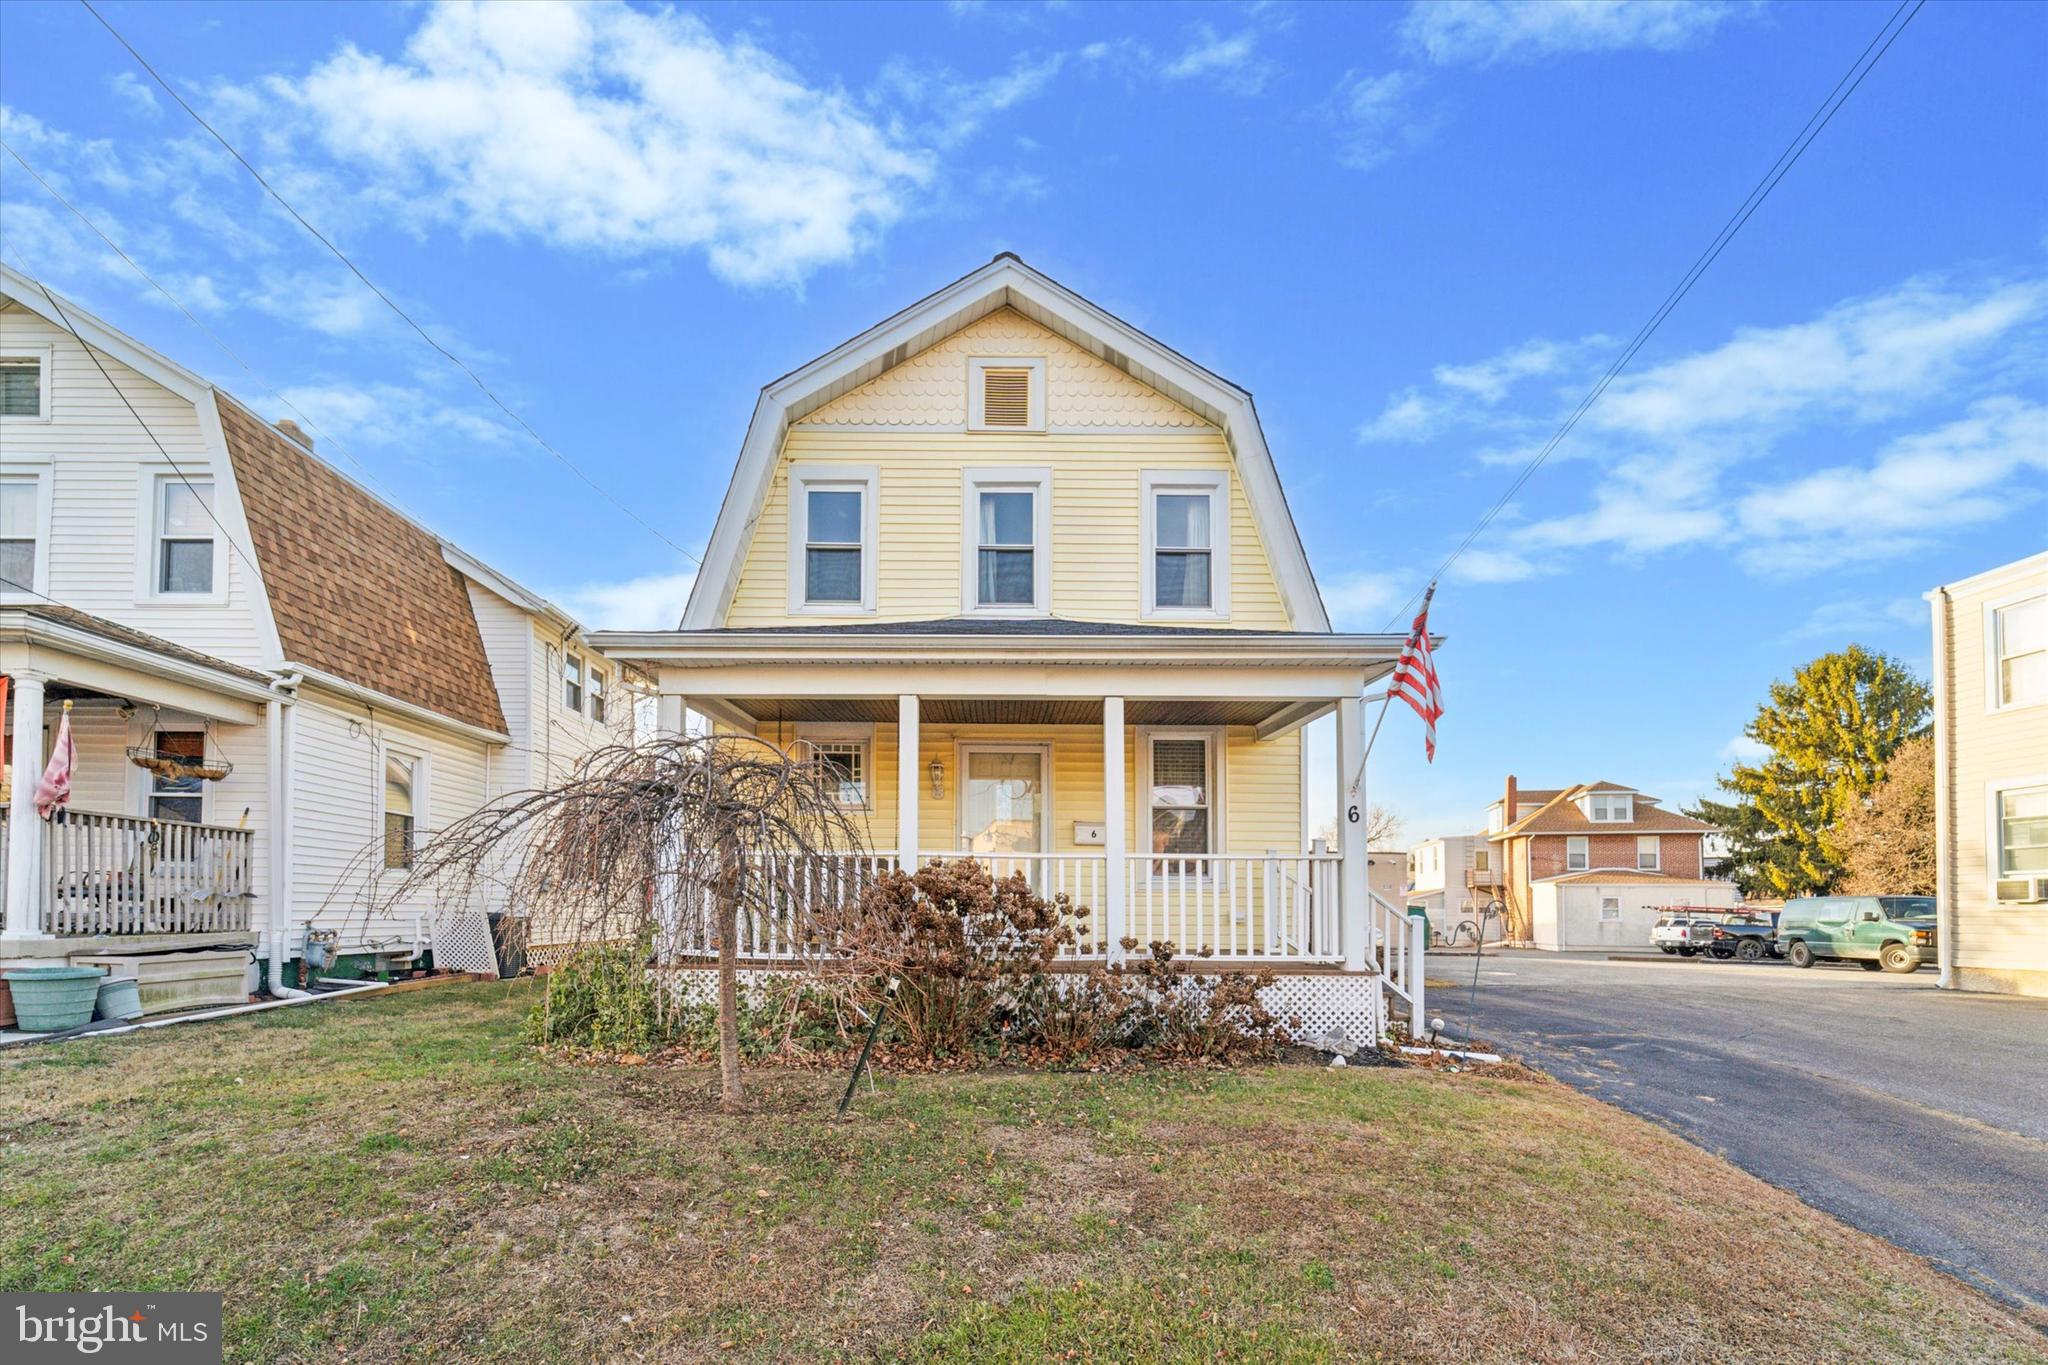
1611	807
1577	853
572	682
21	525
2017	633
178	798
1649	853
1006	567
832	539
1180	793
184	558
2020	840
1187	543
596	692
1610	907
25	385
401	802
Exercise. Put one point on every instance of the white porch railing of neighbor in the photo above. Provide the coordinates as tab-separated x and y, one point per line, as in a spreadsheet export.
1399	948
123	874
1273	906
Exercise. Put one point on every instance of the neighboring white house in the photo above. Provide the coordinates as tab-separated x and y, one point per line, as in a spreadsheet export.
1991	778
1453	878
195	584
1614	907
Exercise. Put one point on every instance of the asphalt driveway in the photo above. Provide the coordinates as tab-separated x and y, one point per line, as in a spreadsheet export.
1917	1114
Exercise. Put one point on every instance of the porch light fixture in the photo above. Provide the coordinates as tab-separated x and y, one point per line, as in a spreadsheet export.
938	772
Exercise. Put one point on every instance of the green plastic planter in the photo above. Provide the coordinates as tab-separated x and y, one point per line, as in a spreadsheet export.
52	999
120	997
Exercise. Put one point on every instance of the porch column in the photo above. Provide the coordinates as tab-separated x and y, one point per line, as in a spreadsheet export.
907	778
1352	883
1115	913
670	712
24	829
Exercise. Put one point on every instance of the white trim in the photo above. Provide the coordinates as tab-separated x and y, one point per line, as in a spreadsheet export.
421	761
1656	863
43	301
1034	422
1215	484
153	480
340	689
803	478
1217	738
1993	704
847	732
1003	282
1585	851
1033	479
46	369
39	470
1994	840
469	566
1993	578
961	748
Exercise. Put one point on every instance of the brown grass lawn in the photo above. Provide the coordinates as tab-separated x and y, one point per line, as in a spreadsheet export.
402	1179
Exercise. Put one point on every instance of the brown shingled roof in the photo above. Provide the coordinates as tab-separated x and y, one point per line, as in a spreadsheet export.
1561	815
357	590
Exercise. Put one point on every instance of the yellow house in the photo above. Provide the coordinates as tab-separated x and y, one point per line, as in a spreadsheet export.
1991	778
1028	577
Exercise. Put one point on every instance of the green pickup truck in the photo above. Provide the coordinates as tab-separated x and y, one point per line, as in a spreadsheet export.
1882	933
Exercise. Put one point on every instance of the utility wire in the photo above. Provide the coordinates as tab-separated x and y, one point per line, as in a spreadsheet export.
1865	63
388	301
211	335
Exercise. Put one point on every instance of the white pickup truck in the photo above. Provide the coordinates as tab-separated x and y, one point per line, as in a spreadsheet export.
1681	934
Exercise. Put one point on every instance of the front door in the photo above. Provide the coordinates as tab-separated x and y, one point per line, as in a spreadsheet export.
1003	799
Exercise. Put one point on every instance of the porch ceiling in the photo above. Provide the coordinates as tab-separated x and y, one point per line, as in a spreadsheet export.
1015	711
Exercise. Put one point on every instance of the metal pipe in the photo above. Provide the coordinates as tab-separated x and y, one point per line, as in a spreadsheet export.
279	721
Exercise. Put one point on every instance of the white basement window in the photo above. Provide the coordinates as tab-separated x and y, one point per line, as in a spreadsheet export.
832	539
184	536
1187	543
1006	393
25	386
1006	567
2018	637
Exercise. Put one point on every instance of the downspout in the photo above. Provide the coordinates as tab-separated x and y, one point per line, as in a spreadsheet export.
281	716
1945	917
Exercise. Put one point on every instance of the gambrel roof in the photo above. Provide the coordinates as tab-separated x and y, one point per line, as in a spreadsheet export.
1005	282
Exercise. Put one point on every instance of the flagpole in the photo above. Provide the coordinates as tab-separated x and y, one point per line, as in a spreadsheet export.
1388	699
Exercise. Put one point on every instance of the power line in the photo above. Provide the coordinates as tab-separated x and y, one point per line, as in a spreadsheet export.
1864	64
192	318
388	301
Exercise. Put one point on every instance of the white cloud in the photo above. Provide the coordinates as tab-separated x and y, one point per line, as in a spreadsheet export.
380	414
949	109
1231	61
609	128
333	303
1844	621
650	602
129	88
1743	749
1481	564
1955	475
1361	601
1490	380
1377	118
1408	416
1484	32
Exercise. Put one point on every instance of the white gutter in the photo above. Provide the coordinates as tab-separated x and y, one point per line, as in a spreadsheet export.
1945	916
33	629
801	647
370	696
280	716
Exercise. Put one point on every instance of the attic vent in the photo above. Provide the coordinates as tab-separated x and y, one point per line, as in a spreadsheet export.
1005	397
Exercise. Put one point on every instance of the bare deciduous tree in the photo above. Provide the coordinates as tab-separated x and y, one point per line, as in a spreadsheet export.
672	842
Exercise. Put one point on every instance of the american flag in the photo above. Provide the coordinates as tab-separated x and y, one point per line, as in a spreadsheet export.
1415	676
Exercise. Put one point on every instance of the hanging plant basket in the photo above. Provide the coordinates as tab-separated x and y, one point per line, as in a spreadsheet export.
177	769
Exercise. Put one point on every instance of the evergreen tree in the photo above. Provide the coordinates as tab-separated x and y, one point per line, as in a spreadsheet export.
1829	734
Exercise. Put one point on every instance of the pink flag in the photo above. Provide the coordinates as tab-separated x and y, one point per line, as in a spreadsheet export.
53	791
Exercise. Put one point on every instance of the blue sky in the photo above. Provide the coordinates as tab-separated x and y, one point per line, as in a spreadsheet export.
1415	234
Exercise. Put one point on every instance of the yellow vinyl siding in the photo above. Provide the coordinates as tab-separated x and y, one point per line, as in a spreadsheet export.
1097	523
1261	790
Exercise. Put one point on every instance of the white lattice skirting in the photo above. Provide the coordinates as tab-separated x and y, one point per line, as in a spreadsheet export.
1308	1004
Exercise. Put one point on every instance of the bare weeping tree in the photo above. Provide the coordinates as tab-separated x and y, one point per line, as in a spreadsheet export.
683	844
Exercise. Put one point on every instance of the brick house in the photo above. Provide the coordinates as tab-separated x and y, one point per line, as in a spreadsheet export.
1590	866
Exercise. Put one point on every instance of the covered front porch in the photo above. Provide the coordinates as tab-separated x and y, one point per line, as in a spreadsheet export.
158	849
1158	780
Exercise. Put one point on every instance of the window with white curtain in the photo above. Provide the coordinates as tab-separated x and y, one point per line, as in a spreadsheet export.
1181	798
1187	543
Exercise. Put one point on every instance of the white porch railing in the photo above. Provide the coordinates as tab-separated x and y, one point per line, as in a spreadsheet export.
1399	950
124	874
1272	906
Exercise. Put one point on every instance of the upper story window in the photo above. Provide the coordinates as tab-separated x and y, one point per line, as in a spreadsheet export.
21	533
178	798
1479	856
2017	638
572	682
1006	393
1649	853
1611	807
1007	565
1187	543
832	538
184	536
596	692
25	385
1577	853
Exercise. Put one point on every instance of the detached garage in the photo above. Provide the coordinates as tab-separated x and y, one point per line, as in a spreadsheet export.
1613	908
